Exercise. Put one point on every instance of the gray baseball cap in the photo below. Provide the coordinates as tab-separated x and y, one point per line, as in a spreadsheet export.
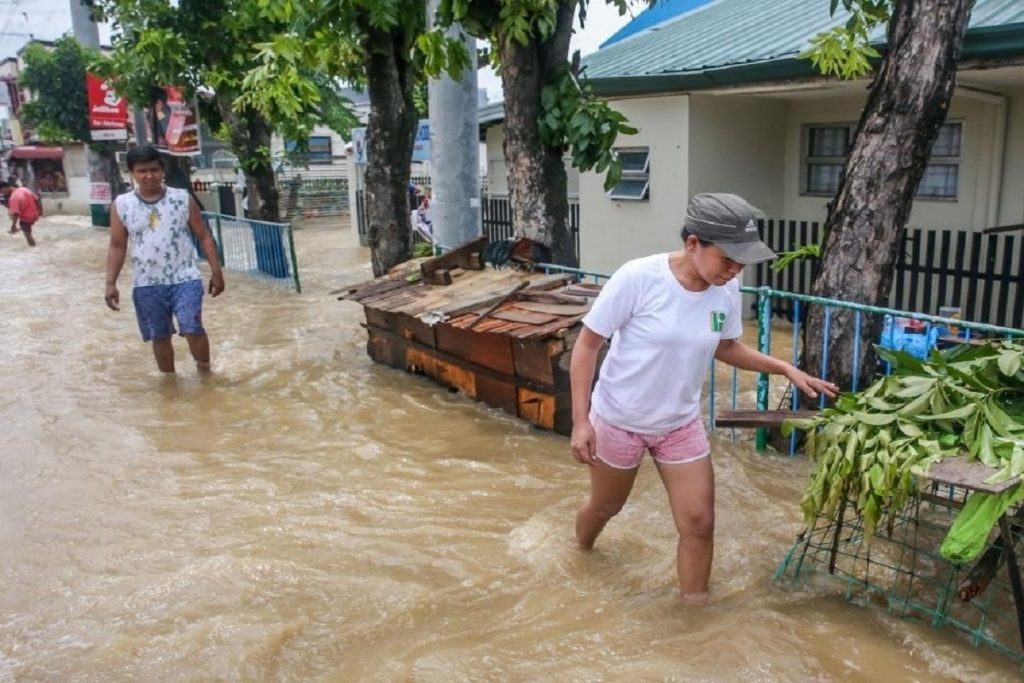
730	223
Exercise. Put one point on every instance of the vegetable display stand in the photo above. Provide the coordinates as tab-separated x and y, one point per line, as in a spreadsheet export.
902	568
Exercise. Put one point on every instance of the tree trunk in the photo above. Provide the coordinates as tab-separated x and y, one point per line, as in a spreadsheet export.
390	133
178	172
108	164
907	103
249	135
536	173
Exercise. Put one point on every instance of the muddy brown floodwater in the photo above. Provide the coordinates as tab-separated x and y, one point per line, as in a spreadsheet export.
307	515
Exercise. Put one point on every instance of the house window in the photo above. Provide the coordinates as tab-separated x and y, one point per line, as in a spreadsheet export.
941	177
827	147
636	175
318	150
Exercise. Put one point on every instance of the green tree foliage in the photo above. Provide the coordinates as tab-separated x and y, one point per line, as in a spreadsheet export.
326	41
845	51
573	119
209	48
377	44
59	109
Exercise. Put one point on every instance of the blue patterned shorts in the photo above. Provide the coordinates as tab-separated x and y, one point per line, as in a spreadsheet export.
155	304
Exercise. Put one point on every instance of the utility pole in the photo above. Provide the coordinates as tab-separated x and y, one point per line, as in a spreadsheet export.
100	188
454	148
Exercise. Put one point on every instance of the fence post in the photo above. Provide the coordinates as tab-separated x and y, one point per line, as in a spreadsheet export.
295	262
220	240
764	345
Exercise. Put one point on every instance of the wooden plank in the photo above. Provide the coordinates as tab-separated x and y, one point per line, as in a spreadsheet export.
969	475
538	409
466	255
553	309
760	418
526	317
449	359
414	328
583	289
550	281
487	350
497	394
490	309
373	288
553	298
558	328
533	359
457	376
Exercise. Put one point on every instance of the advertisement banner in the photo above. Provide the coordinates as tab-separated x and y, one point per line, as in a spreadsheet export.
172	124
421	146
359	146
107	110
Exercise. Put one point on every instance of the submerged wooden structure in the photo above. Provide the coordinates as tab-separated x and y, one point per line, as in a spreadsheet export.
503	337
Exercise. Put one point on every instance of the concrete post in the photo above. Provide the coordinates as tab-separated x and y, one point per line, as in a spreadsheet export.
454	149
87	33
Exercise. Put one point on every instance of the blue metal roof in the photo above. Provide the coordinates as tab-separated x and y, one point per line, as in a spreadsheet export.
732	33
662	11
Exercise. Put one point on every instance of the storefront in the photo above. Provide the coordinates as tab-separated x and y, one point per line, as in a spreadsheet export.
39	168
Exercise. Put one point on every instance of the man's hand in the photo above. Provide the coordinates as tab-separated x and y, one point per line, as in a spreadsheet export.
216	284
810	385
113	298
584	442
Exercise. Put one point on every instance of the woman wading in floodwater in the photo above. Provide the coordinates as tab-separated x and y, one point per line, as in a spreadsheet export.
667	315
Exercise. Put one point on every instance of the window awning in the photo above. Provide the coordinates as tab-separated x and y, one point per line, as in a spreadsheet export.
37	152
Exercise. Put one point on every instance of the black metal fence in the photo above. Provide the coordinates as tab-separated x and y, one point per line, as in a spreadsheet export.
496	218
981	274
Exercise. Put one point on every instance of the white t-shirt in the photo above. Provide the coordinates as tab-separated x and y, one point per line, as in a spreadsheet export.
663	338
162	249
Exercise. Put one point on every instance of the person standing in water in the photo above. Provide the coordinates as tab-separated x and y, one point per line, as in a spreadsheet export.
24	207
667	316
159	221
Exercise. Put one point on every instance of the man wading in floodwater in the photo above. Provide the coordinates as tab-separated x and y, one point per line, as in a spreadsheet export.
160	222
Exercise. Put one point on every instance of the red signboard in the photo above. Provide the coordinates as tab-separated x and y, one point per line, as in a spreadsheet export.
107	109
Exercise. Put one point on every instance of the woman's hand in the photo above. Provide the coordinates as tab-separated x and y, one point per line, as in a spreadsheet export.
583	442
810	385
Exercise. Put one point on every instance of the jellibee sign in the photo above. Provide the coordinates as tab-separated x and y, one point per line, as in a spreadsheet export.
108	111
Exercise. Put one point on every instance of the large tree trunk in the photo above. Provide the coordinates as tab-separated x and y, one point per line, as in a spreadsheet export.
249	134
907	103
390	134
536	173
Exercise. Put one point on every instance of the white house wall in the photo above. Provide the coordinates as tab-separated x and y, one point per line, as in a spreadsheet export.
497	170
1011	207
614	231
737	146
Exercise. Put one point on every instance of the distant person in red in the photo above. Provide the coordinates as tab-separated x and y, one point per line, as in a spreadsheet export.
24	207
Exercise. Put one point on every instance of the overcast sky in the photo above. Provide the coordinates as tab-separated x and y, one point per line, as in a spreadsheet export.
21	20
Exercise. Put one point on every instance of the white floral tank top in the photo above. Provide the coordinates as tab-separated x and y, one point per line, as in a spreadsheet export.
162	249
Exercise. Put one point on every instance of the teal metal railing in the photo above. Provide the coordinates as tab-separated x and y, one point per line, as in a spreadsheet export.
965	331
260	249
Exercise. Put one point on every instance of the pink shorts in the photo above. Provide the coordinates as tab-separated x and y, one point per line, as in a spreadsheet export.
624	450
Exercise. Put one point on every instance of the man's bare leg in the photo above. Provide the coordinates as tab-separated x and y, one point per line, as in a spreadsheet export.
163	351
199	345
